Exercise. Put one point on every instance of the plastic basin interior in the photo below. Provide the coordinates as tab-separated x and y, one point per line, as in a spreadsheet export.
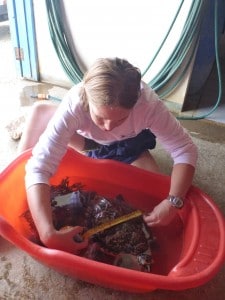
190	250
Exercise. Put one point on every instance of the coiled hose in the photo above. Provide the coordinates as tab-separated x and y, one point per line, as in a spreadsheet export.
165	79
220	88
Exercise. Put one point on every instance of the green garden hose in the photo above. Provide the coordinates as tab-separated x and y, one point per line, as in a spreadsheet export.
216	41
183	51
179	60
165	38
60	41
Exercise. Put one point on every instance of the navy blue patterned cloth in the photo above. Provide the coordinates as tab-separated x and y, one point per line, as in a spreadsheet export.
126	151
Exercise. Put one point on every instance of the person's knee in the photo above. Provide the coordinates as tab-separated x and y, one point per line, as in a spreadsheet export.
42	111
41	107
35	125
147	162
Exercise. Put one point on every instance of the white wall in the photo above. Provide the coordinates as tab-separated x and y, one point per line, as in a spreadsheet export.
100	28
50	67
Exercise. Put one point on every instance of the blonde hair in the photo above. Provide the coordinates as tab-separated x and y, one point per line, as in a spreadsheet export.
111	81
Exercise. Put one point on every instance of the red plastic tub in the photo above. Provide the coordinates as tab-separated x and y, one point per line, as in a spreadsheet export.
191	249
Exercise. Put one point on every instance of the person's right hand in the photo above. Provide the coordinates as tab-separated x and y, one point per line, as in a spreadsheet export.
66	239
162	214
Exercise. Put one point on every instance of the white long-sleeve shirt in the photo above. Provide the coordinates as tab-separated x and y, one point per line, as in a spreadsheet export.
70	117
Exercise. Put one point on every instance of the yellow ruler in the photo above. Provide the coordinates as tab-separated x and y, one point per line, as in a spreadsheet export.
112	223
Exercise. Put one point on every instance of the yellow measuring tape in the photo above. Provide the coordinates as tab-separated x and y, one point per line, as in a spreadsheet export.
112	223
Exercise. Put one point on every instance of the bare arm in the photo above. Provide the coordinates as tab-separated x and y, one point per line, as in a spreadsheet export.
181	180
38	197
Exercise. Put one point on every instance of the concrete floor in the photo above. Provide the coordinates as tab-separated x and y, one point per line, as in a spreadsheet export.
23	278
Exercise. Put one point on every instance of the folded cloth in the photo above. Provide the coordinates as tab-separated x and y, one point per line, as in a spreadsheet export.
126	151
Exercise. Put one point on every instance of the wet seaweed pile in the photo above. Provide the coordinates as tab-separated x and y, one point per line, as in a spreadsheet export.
127	244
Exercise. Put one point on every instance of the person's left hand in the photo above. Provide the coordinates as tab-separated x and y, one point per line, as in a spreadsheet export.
162	214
